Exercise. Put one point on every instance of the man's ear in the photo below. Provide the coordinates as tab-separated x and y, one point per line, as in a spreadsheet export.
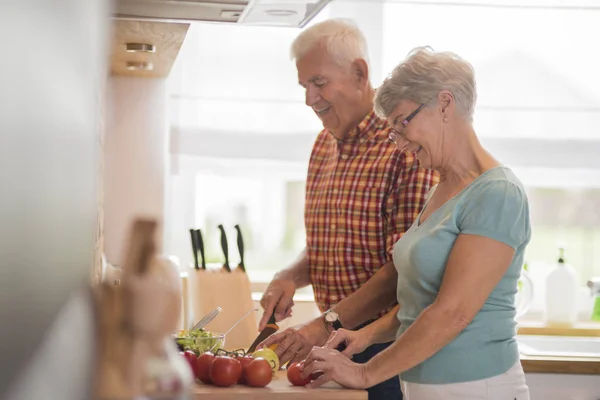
361	71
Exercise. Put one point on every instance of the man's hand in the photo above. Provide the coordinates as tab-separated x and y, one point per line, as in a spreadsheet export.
278	298
294	344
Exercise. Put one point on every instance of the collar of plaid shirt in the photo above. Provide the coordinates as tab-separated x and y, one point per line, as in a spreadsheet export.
362	194
364	130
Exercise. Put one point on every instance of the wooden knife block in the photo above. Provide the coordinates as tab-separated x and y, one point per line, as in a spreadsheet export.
211	288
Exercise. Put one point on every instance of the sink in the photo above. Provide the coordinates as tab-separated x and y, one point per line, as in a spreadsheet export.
559	346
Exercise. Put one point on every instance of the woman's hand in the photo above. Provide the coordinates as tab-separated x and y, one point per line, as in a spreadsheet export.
351	342
331	365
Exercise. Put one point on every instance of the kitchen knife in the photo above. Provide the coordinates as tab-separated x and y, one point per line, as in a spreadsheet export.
240	245
224	247
200	242
194	248
270	329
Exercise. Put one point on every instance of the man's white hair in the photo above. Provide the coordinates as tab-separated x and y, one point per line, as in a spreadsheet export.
341	37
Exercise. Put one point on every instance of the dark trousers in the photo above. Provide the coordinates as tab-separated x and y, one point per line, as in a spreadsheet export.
387	390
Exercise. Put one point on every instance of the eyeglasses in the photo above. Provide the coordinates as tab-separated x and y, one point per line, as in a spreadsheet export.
398	132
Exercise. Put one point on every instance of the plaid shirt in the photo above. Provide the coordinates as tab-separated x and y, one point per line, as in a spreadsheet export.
362	194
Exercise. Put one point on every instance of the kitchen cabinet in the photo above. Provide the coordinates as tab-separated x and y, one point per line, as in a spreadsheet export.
278	389
563	386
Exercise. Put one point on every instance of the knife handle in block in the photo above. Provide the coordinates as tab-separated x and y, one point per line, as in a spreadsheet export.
225	248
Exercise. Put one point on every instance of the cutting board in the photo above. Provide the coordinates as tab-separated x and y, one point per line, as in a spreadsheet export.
278	389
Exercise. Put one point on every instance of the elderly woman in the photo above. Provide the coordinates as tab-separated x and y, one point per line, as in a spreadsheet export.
459	263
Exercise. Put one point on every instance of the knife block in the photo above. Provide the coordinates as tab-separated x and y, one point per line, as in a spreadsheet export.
215	287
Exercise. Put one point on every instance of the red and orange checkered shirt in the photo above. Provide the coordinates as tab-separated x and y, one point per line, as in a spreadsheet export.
362	194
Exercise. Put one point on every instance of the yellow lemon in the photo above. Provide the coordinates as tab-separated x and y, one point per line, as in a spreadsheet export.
269	355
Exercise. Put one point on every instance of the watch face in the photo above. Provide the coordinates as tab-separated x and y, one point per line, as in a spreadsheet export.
331	316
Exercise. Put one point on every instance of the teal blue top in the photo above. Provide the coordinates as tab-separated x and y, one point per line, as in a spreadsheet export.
494	205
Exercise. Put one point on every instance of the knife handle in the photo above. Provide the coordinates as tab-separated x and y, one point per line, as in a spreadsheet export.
224	247
240	244
270	329
201	247
194	248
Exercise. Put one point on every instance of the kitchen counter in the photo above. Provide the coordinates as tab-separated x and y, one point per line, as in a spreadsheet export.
589	328
278	389
561	365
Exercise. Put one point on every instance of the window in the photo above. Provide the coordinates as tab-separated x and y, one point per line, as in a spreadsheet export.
266	199
242	135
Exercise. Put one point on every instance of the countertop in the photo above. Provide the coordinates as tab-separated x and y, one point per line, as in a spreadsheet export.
561	365
588	328
278	389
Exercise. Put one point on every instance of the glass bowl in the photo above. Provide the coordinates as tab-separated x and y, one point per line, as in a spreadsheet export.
201	344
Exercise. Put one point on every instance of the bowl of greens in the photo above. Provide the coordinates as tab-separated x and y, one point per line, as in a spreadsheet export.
199	341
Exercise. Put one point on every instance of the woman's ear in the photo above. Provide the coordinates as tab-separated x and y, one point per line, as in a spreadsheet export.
446	101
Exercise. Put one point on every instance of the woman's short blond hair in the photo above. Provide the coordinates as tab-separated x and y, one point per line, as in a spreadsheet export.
341	37
422	76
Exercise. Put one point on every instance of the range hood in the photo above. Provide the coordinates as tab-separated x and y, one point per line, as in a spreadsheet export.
287	13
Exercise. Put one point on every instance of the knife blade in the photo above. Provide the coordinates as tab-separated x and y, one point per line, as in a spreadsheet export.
194	248
200	242
240	245
270	329
224	247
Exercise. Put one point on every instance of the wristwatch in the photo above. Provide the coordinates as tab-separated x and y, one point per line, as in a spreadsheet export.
333	319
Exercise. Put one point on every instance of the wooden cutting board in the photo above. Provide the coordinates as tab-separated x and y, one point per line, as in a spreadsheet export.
278	389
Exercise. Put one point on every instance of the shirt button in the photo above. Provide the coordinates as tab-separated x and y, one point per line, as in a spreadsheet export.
334	191
333	227
344	156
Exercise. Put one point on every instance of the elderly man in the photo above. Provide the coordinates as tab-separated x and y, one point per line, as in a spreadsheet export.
361	196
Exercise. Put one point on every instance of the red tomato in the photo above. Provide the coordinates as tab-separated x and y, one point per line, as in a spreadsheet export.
258	373
244	360
192	360
204	363
294	375
225	371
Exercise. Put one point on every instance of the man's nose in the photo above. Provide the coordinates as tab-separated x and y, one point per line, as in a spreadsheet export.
311	96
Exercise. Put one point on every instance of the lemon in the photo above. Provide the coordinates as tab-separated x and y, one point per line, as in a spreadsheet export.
269	355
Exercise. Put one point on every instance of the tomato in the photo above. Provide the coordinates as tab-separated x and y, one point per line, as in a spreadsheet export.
258	373
205	361
245	360
294	375
225	371
192	360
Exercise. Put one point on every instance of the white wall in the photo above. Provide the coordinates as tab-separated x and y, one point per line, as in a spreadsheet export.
136	158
